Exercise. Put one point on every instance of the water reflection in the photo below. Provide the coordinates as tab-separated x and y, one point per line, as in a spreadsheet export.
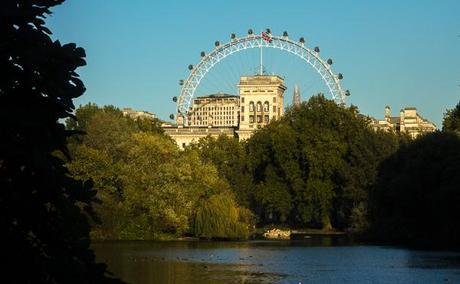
314	260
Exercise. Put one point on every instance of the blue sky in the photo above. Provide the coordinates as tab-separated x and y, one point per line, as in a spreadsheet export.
396	53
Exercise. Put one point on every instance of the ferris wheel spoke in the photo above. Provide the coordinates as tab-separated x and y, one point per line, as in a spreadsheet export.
252	41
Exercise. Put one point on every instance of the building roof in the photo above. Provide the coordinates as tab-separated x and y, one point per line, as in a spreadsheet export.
261	80
218	95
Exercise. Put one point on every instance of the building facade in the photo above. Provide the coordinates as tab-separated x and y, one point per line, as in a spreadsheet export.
219	110
261	101
408	121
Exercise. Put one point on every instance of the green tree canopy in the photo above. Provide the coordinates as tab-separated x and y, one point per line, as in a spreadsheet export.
315	165
451	120
43	211
229	156
148	188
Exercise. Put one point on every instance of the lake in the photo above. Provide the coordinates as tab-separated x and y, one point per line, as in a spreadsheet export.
313	260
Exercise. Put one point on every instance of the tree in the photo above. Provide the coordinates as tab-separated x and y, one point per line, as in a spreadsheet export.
451	120
416	196
148	188
43	211
220	217
315	166
229	156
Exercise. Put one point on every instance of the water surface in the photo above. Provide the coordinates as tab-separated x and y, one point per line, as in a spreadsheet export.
316	260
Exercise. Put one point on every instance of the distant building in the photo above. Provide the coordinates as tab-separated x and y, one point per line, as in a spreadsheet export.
134	114
296	99
408	121
260	100
215	110
186	135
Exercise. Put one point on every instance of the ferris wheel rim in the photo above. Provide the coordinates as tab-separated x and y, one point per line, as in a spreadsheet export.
208	61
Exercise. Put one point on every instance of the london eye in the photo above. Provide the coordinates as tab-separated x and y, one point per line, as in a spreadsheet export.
262	41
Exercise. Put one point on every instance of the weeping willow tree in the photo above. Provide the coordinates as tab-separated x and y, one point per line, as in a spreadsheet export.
220	217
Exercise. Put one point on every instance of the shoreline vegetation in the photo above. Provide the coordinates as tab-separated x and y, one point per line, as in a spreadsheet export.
320	167
256	235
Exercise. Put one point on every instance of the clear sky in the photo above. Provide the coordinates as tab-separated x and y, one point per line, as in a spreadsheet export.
396	53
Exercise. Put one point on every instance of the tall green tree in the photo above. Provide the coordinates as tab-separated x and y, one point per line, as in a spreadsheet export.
315	166
148	188
43	211
451	120
229	156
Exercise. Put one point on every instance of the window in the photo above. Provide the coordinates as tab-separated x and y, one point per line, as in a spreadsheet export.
274	99
266	119
242	118
242	100
251	119
242	109
259	106
251	106
274	108
266	107
259	119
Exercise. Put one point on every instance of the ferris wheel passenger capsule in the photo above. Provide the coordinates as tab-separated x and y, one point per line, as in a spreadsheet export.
190	67
316	49
171	116
285	34
217	43
203	54
174	99
250	32
340	76
329	61
302	40
181	82
233	36
268	30
347	93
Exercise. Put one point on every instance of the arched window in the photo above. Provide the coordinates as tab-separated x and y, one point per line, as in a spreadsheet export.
251	106
266	107
259	106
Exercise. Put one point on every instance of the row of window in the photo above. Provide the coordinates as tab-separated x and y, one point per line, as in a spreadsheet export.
220	101
258	118
259	91
215	118
228	122
214	113
215	108
242	100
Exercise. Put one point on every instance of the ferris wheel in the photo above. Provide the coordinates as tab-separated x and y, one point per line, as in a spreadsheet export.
263	40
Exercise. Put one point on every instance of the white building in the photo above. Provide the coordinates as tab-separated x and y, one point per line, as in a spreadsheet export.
408	121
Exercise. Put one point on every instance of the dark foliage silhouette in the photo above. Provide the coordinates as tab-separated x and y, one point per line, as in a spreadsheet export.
415	200
451	120
43	211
